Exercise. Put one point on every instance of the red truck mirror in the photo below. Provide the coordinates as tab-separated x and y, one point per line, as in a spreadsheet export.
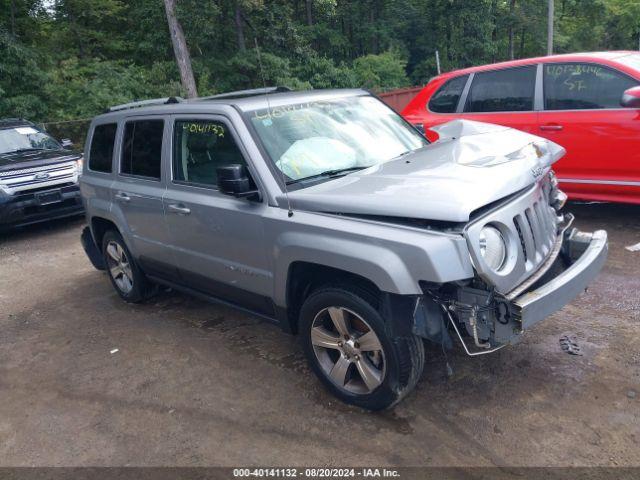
631	98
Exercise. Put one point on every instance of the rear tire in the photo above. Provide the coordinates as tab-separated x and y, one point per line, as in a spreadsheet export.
348	347
125	275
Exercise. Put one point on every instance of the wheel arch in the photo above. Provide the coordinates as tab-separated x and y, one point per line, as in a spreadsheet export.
100	226
304	277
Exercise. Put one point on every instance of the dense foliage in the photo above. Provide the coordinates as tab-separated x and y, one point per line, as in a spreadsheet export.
69	59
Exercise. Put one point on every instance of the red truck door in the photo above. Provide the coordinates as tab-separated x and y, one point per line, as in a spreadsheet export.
582	113
504	97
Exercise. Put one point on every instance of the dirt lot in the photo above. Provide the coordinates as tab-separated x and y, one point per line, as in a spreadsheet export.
199	384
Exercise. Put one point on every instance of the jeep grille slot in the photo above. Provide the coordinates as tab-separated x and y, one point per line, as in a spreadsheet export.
517	221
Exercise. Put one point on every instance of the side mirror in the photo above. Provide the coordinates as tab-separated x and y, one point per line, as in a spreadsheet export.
66	143
234	180
631	98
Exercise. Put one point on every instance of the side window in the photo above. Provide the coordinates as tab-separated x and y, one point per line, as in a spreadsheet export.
199	147
509	90
142	148
445	100
101	149
576	86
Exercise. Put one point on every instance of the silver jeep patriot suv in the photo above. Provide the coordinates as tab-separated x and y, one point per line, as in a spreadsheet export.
328	214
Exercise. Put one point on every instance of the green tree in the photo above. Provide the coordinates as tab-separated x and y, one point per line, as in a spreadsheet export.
89	28
386	70
22	80
64	59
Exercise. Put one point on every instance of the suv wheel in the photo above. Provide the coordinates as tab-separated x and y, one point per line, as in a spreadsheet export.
126	277
347	345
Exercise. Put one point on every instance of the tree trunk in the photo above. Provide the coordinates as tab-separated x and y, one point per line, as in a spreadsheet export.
239	27
512	6
372	22
13	18
494	31
449	38
183	59
309	6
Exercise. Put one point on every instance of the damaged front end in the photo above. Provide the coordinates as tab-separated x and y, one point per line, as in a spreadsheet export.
546	265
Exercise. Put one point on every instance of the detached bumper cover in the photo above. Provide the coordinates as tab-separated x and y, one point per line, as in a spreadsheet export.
588	253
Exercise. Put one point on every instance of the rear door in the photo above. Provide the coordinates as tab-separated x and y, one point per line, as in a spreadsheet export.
138	190
96	185
582	113
216	238
441	107
504	97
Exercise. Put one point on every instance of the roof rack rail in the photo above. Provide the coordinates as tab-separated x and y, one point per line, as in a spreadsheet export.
10	121
145	103
245	93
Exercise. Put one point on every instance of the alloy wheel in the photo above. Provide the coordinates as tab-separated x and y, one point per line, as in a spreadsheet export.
119	267
348	350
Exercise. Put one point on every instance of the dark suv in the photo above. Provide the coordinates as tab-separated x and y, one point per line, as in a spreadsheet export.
38	175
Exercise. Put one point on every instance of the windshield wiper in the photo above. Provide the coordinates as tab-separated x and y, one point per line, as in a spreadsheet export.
329	173
33	149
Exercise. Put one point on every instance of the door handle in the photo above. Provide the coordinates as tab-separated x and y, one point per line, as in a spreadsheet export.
554	127
178	208
122	197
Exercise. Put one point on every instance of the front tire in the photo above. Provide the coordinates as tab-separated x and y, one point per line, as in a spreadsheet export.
125	275
348	346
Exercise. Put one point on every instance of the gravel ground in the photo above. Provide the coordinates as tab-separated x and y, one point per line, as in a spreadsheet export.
197	384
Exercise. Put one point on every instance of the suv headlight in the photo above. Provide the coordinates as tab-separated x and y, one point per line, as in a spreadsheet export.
79	164
493	247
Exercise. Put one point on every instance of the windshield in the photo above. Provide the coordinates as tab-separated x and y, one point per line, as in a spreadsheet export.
25	138
329	136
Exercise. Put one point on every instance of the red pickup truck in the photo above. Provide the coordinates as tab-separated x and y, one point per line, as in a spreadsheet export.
587	102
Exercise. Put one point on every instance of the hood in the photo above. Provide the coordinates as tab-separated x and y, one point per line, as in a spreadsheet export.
470	166
35	158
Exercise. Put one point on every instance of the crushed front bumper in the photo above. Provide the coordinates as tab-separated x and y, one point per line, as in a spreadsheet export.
494	320
587	253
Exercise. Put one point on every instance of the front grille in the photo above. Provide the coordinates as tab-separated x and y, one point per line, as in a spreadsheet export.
29	179
28	194
529	225
52	207
537	231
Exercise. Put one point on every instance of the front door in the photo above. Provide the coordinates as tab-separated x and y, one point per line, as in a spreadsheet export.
582	113
216	238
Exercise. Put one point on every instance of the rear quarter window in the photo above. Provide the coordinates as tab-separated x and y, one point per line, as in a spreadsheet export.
101	149
446	99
